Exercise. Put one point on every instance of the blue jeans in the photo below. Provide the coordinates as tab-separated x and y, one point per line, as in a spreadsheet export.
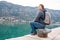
36	25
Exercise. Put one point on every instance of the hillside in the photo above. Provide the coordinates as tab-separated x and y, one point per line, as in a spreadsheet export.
17	13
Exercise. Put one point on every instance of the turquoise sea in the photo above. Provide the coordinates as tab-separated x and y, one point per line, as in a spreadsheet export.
17	30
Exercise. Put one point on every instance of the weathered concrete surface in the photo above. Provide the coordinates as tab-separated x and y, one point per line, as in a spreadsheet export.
54	35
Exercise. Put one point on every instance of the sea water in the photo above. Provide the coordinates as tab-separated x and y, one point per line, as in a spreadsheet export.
17	30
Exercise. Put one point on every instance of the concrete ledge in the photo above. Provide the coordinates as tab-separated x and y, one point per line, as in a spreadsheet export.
54	35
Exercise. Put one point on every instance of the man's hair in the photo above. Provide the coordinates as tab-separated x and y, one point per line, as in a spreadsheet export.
41	6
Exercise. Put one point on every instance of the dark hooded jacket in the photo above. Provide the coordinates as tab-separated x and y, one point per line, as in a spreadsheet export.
41	16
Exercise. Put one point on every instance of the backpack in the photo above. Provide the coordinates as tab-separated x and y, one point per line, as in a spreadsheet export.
47	18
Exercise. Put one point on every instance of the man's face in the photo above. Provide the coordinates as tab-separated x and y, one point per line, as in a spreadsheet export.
39	7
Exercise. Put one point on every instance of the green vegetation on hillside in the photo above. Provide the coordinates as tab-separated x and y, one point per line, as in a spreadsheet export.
12	12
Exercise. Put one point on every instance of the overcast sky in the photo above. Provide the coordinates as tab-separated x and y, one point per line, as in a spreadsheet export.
51	4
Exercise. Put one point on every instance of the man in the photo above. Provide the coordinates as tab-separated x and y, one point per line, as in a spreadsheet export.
39	20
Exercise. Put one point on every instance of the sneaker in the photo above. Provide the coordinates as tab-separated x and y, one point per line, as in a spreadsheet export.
33	33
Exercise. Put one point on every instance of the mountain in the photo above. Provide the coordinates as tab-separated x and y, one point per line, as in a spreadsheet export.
13	12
